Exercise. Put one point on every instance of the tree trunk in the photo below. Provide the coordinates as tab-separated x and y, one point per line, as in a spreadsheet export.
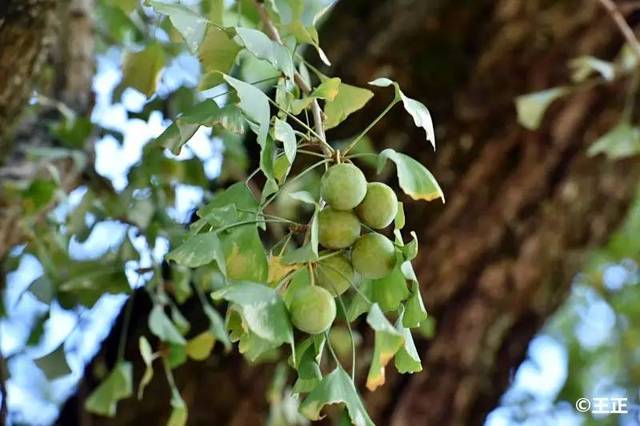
523	207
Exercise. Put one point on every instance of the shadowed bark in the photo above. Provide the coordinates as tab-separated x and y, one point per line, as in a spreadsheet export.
523	208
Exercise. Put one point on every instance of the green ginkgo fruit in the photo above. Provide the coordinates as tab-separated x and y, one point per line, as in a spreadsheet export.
343	186
337	229
379	207
312	309
373	255
335	273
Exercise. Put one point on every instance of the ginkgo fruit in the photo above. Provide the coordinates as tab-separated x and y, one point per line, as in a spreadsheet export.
343	186
312	309
335	273
379	207
373	255
337	229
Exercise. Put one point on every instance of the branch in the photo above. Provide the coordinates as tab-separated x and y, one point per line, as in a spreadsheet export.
274	35
623	26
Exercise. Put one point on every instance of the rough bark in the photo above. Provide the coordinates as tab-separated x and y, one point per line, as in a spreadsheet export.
40	38
523	207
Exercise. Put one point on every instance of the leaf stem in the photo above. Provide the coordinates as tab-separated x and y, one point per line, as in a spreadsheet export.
370	126
353	344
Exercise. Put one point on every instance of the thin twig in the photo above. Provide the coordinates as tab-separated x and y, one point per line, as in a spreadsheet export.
274	35
622	24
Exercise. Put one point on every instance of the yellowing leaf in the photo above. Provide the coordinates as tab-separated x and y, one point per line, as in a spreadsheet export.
199	348
278	269
387	342
415	180
217	53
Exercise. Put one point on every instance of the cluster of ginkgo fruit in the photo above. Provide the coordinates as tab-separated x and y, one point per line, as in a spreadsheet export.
350	203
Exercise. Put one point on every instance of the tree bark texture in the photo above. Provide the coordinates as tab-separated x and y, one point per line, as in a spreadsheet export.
39	39
523	208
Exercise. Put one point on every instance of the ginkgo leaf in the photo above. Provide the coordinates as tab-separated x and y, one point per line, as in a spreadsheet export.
263	47
415	180
217	54
116	386
417	110
348	100
407	359
189	24
387	342
283	132
336	388
531	107
151	60
261	308
54	364
163	327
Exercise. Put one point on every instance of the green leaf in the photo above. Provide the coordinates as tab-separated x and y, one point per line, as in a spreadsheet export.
415	312
243	250
531	107
262	47
199	347
262	309
407	359
284	133
620	142
328	89
43	289
216	326
304	197
417	110
179	413
141	70
217	54
163	327
309	374
415	180
148	357
54	364
348	100
189	24
390	291
399	219
387	342
206	113
255	106
336	388
584	66
117	386
199	250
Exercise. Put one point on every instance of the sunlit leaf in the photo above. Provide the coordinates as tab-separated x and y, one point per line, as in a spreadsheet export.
179	413
415	180
584	66
348	100
199	347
